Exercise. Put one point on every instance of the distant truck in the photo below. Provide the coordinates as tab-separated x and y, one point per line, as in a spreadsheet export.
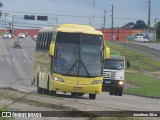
113	75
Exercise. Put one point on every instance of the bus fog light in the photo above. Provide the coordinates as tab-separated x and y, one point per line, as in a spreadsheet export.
121	83
97	82
58	79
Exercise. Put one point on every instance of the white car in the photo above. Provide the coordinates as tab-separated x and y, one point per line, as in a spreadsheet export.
35	36
7	35
140	39
21	35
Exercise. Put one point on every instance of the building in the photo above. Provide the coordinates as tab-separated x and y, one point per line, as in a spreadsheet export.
120	34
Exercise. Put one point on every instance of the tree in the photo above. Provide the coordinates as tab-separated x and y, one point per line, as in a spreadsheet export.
129	25
158	31
1	4
140	24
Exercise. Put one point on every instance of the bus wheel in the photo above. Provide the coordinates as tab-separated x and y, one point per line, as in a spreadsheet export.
73	94
39	90
80	94
92	96
47	91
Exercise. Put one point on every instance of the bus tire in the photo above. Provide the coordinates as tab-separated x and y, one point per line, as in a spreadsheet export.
39	90
92	96
47	91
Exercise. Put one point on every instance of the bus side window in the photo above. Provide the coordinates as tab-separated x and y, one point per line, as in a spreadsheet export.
45	42
38	41
49	40
53	36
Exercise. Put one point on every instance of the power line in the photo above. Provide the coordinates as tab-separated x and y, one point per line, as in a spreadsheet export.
52	14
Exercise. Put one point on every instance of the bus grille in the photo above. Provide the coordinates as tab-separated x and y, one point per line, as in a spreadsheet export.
109	75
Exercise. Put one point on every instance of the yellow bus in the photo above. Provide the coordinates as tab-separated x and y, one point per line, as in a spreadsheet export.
69	58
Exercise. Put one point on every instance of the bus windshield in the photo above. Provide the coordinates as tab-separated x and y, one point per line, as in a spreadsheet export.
114	64
78	54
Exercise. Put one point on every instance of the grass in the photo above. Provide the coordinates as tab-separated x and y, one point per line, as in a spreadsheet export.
148	85
1	33
5	108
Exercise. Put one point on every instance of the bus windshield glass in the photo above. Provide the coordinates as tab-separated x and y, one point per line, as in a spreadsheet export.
114	64
78	54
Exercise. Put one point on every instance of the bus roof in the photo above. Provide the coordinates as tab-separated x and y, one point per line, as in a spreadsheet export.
72	28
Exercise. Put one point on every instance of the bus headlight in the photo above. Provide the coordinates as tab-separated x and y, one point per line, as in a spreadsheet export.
97	82
121	82
58	79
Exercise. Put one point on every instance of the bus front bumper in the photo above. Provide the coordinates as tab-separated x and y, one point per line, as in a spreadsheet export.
77	88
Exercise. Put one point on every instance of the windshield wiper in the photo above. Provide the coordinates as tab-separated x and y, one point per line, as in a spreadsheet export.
80	62
85	68
72	67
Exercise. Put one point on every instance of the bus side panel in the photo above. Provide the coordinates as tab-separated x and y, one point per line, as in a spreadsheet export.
42	69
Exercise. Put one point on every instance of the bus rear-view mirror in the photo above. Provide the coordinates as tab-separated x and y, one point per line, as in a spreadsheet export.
51	49
107	52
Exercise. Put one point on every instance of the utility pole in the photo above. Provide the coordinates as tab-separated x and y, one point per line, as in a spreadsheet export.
112	24
94	4
12	20
6	14
104	22
90	21
155	25
56	21
149	13
12	28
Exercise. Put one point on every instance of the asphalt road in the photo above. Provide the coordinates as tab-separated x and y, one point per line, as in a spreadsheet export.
16	68
16	65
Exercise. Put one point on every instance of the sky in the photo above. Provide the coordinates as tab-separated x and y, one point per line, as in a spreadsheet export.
78	12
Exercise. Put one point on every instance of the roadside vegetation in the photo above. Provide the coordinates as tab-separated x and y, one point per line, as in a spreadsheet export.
4	107
1	33
141	72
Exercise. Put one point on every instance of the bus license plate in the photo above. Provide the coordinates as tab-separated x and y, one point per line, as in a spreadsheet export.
77	88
